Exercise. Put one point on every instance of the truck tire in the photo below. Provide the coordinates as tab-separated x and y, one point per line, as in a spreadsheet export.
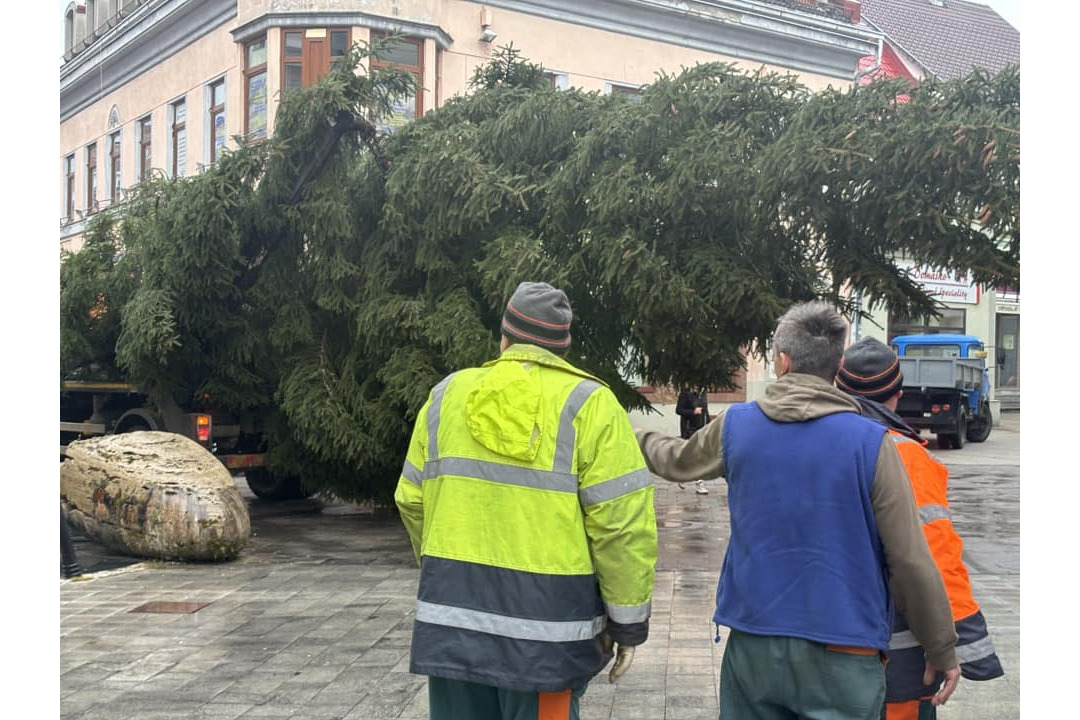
960	436
274	487
979	429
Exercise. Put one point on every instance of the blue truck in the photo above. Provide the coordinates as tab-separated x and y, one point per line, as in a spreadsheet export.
946	387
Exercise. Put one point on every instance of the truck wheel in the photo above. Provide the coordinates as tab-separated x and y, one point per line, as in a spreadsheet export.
274	487
979	429
961	433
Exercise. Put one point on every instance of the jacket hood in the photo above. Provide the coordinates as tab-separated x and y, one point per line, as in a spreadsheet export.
797	397
876	411
504	410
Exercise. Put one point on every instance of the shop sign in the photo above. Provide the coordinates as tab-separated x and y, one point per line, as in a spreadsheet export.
945	286
1004	307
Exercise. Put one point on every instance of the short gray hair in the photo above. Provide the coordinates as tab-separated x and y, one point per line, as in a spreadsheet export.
812	334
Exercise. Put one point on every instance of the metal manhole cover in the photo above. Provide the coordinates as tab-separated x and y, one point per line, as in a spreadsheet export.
165	606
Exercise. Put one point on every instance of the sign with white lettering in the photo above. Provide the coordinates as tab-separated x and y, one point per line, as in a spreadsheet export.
943	285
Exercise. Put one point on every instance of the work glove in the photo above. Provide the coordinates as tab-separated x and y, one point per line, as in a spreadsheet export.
624	655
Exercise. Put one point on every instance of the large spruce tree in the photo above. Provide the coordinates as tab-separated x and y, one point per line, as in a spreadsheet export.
326	278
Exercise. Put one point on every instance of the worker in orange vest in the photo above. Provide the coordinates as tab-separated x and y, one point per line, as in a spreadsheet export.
870	372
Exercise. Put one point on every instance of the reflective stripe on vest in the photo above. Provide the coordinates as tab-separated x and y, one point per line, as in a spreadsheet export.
626	614
567	437
930	513
412	473
965	653
559	478
434	410
616	487
501	472
511	627
512	611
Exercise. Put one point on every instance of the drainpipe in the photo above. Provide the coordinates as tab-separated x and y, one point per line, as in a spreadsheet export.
856	325
877	63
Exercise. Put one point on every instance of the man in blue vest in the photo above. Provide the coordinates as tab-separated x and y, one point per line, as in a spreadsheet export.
823	526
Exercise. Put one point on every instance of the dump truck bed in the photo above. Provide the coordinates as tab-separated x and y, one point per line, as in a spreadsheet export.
956	373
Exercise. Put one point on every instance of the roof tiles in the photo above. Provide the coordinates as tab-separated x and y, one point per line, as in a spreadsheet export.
949	39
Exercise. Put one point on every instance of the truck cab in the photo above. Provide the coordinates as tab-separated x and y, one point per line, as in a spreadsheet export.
946	387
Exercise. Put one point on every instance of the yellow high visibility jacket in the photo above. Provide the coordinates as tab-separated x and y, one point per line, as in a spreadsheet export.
530	510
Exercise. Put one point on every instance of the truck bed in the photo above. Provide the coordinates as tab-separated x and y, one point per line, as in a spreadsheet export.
955	373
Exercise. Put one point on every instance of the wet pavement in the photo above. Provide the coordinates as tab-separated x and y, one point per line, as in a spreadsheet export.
313	621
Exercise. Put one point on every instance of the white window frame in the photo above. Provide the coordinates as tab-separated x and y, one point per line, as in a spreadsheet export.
208	104
92	203
139	170
562	80
610	87
187	137
112	193
65	194
91	17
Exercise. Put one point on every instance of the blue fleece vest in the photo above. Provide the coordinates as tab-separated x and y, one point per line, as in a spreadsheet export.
804	559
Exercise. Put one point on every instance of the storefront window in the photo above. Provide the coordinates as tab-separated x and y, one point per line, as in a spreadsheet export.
951	320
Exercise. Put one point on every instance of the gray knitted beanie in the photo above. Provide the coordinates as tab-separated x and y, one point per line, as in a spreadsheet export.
538	314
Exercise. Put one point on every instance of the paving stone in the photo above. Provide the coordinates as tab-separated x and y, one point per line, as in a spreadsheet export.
314	620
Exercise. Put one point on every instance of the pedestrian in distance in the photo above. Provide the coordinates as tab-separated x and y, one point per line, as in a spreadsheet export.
692	408
530	511
870	373
823	524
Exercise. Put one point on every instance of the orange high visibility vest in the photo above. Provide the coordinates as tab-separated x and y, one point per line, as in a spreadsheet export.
974	648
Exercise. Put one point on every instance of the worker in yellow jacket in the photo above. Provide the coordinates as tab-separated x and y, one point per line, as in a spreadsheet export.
530	510
870	372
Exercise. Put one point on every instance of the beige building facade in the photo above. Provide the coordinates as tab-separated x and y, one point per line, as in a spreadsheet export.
164	86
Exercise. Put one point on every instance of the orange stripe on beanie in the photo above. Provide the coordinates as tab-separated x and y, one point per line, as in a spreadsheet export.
871	369
538	314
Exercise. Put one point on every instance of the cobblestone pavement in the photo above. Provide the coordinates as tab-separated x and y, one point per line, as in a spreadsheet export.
314	619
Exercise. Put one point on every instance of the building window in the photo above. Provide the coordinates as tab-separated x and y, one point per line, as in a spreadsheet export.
627	92
556	80
178	148
406	54
255	90
69	187
292	60
217	119
91	178
307	55
145	136
69	29
114	166
91	17
952	320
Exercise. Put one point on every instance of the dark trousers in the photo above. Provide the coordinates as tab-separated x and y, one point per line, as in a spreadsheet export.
460	700
781	678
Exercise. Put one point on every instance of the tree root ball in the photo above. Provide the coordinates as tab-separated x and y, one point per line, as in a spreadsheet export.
155	495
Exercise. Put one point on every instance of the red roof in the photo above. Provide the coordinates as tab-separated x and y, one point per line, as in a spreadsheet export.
891	67
948	38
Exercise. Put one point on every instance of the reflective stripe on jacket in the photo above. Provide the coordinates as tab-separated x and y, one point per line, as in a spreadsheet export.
530	510
974	648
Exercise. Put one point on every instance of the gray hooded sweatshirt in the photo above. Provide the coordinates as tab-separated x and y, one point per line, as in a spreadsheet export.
914	580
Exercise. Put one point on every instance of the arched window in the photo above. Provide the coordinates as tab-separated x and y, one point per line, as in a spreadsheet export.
69	27
80	26
91	17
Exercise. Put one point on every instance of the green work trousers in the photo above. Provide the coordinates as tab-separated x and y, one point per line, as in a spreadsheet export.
781	678
460	700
